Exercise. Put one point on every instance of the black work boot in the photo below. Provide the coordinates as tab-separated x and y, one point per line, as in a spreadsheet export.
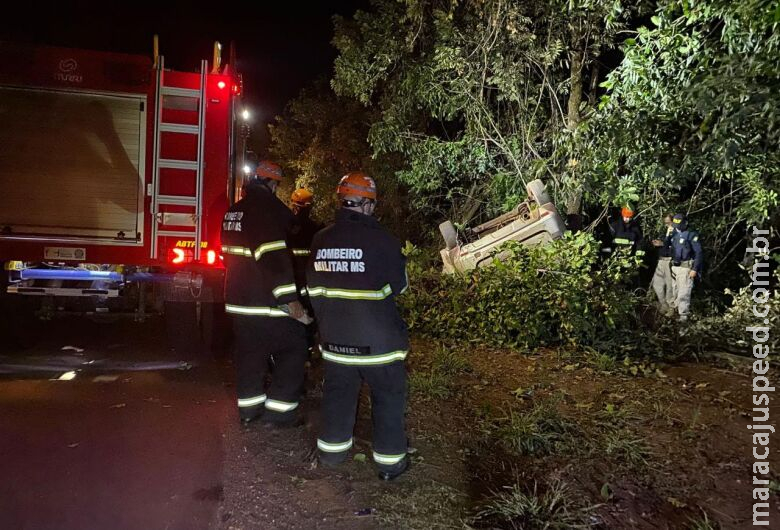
248	416
395	471
331	460
275	420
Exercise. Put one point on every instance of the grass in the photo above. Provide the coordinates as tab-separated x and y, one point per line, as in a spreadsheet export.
433	385
613	414
624	447
437	381
532	510
451	362
541	430
426	506
601	362
702	523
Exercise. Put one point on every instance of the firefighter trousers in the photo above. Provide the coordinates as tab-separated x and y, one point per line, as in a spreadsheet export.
339	410
260	340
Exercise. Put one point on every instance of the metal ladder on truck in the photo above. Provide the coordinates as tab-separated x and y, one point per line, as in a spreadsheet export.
158	200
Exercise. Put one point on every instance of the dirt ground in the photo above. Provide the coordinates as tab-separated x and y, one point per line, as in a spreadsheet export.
509	440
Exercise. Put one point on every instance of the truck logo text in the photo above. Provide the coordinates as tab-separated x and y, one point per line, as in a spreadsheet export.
68	72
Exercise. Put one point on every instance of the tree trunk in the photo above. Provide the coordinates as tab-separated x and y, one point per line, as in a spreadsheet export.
594	83
575	95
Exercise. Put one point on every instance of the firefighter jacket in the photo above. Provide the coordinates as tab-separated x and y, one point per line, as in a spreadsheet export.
627	235
299	239
687	251
355	271
259	276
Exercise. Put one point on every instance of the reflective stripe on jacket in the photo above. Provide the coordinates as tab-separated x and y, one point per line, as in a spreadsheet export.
259	276
627	235
355	271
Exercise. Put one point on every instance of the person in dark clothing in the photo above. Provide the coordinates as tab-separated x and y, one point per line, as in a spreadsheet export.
302	232
626	233
355	272
687	262
663	283
262	298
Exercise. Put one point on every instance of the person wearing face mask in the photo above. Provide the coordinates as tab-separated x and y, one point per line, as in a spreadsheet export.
663	283
687	263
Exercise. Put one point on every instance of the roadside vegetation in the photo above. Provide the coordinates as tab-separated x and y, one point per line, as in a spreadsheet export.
546	391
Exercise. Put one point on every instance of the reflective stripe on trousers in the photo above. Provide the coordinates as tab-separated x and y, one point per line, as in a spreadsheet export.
388	460
328	447
280	406
251	401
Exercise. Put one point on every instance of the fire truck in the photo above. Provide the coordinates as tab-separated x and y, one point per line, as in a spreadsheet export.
115	172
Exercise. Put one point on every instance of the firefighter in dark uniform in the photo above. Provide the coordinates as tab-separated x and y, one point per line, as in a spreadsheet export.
262	299
355	272
301	233
687	262
626	233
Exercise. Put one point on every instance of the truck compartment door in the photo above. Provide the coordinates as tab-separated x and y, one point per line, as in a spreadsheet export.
71	164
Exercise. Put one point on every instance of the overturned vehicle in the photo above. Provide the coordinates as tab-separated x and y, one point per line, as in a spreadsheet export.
534	221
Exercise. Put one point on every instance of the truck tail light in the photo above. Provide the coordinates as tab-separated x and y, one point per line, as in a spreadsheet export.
184	254
180	256
221	84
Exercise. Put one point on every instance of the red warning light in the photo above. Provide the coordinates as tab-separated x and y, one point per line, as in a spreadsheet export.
221	85
178	256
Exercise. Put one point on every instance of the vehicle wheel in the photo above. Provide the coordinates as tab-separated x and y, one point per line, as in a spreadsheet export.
450	234
538	192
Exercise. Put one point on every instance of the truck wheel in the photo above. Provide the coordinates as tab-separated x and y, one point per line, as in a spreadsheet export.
538	192
450	234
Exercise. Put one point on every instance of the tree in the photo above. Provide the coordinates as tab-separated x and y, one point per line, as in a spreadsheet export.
691	122
476	95
319	138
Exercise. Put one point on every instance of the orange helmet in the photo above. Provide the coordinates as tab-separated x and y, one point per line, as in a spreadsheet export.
268	170
302	197
357	183
627	212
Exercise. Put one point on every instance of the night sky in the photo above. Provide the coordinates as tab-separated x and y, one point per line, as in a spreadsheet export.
281	46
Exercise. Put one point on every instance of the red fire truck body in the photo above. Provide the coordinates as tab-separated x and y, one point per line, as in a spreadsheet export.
113	169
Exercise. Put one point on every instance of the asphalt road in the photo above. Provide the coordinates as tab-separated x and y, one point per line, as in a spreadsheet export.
111	448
